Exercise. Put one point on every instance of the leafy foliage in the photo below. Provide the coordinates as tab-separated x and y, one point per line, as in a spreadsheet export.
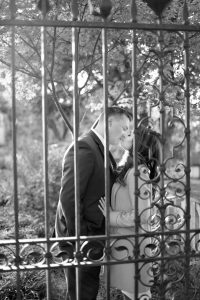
33	285
59	58
31	192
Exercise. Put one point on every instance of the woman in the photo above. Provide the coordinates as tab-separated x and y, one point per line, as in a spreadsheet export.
122	214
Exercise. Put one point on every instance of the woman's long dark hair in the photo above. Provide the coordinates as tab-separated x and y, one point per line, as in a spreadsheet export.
148	154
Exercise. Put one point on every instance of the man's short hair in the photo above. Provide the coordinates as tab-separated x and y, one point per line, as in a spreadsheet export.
114	111
117	110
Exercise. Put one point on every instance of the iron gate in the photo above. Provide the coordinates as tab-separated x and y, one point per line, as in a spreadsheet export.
173	247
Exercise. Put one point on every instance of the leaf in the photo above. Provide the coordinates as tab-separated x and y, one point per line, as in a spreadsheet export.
151	247
157	5
34	257
121	248
61	254
173	244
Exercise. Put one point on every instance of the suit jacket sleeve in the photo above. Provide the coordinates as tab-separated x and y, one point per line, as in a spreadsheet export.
67	194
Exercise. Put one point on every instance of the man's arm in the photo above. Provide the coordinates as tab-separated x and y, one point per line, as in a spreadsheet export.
67	194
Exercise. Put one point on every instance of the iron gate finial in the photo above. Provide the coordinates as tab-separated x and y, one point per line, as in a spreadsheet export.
105	8
103	11
158	6
44	7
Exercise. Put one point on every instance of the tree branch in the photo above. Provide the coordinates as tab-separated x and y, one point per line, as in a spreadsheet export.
22	57
90	67
56	101
28	73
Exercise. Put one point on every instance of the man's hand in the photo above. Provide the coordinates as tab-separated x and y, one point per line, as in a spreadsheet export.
102	205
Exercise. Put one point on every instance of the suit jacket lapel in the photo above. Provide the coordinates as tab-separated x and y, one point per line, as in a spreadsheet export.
97	141
101	147
112	162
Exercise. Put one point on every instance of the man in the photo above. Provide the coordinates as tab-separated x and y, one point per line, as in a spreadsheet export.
92	188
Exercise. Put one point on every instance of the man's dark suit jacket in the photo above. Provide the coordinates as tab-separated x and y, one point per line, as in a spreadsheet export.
92	188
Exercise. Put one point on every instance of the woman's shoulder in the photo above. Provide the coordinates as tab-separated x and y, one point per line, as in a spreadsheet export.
129	173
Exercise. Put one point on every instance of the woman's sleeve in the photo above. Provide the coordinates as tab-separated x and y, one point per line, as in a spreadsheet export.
127	218
122	218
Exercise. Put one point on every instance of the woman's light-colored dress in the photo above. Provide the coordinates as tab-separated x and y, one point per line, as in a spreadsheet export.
122	221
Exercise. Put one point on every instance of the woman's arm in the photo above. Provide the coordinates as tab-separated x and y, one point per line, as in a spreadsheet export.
127	218
118	218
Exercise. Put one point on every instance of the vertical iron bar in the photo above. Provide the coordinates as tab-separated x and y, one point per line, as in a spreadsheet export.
76	134
162	188
187	169
135	141
45	146
14	143
106	154
75	36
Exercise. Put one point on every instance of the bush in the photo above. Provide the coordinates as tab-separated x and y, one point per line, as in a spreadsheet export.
30	216
33	285
30	191
32	182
